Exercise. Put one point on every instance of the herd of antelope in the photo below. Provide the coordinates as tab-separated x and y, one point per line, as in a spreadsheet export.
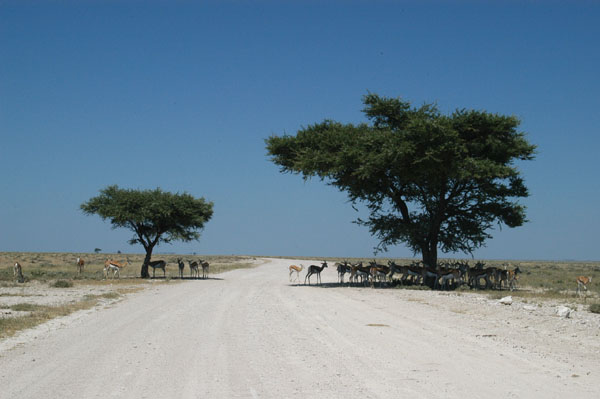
448	275
113	268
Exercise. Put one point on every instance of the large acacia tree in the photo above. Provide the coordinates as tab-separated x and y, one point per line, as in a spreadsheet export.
429	180
154	216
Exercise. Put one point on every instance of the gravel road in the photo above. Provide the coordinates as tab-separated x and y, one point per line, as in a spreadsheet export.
251	334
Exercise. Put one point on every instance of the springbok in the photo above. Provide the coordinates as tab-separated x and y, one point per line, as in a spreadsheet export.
297	269
342	269
158	264
512	276
194	272
181	266
80	263
454	275
583	281
359	270
205	265
378	272
18	272
115	267
312	269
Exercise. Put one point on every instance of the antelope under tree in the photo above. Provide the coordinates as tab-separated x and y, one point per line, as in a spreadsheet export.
429	180
154	216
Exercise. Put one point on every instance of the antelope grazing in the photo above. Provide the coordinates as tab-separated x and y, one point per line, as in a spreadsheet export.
18	272
115	267
205	265
194	272
181	266
312	269
583	281
297	269
158	264
80	264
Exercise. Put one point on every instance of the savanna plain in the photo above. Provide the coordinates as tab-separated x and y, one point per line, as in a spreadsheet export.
247	331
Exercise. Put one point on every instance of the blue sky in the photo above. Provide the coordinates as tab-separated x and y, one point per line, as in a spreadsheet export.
181	95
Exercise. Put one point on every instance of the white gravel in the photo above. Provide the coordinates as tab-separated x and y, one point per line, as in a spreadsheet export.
250	334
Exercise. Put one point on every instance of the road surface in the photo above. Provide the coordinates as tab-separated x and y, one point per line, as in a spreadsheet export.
252	334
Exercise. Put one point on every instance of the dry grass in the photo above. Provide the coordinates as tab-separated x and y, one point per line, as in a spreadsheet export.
37	314
61	266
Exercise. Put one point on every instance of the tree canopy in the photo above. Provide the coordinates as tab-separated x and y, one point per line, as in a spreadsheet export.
154	216
429	180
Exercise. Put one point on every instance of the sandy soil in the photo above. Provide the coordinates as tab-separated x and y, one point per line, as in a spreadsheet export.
251	334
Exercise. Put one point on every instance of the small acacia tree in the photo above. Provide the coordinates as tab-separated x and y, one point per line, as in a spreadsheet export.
154	216
429	180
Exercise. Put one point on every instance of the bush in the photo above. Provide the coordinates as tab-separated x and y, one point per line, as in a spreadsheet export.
595	308
62	284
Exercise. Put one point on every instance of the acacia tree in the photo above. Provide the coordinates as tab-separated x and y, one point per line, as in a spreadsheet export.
154	216
429	180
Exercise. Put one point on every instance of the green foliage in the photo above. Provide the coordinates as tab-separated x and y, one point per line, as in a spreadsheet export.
429	180
595	308
154	216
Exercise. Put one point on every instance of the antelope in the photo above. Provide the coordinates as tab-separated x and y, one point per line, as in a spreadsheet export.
18	272
181	266
343	268
312	269
115	267
80	263
359	271
205	266
583	281
451	274
513	277
378	271
194	272
297	269
414	271
158	264
394	268
475	275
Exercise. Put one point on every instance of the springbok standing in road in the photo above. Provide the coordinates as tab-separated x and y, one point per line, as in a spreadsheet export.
312	269
297	269
80	264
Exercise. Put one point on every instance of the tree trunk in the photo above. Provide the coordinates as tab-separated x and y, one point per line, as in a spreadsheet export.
144	272
429	252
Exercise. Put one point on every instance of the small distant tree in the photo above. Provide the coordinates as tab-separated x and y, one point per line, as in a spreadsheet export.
431	181
97	250
154	216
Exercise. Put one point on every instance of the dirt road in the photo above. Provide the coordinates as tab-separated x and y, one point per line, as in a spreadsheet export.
250	334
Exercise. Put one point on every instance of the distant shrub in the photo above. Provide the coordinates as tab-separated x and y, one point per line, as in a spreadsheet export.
595	308
62	284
